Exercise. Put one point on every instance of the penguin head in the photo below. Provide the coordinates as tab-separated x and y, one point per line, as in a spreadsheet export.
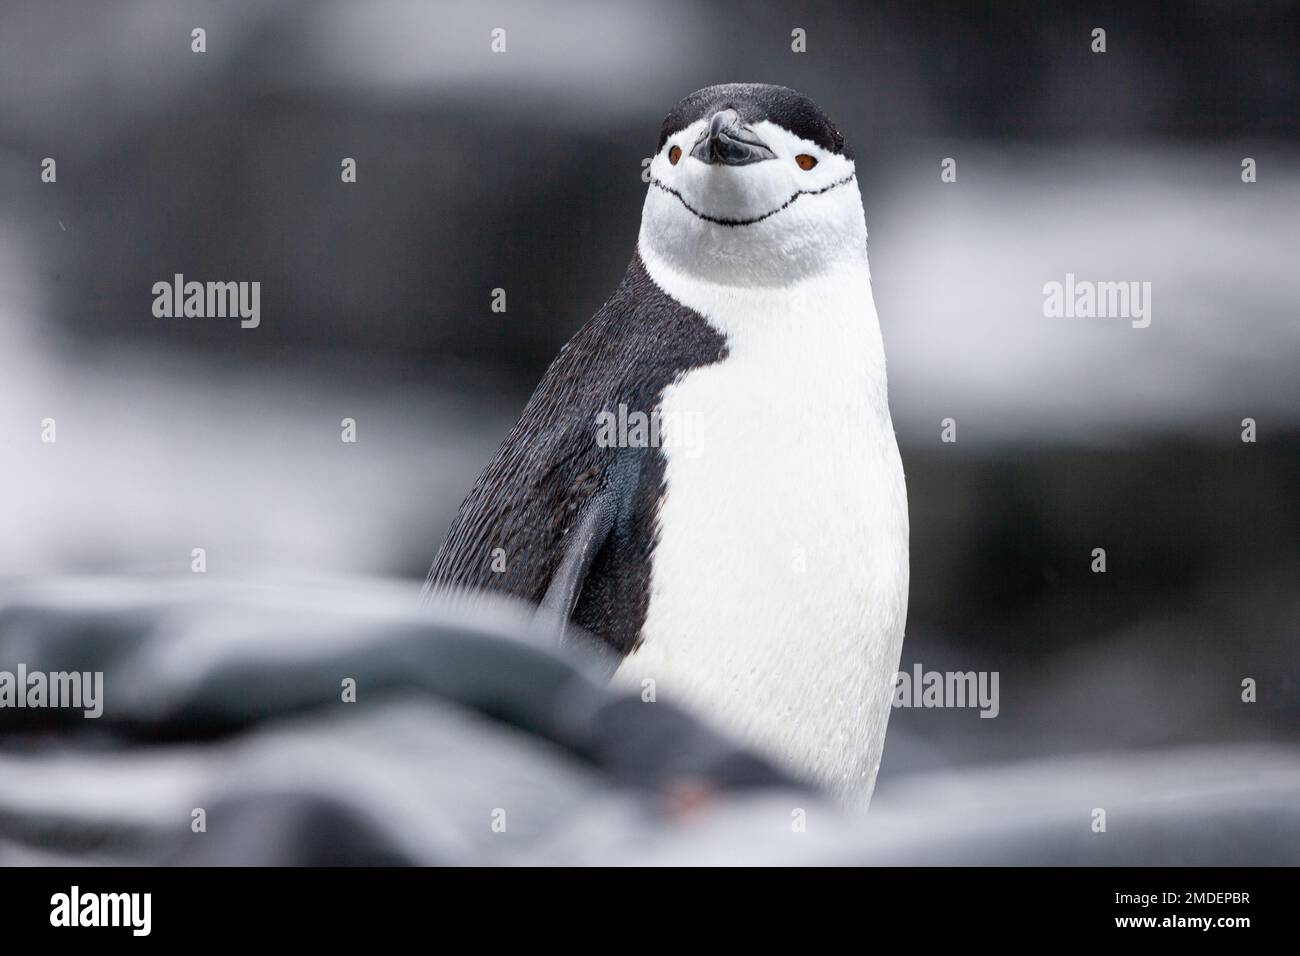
753	185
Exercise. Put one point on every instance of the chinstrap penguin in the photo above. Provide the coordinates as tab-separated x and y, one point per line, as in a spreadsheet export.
749	552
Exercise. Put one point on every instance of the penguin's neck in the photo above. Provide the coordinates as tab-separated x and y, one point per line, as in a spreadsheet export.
821	328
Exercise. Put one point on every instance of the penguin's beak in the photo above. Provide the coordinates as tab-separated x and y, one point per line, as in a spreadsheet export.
728	143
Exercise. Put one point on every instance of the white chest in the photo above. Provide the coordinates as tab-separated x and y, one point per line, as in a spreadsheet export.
779	583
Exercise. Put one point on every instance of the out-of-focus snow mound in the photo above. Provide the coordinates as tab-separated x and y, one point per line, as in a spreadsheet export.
471	741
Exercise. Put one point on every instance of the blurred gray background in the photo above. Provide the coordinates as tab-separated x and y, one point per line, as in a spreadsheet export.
522	171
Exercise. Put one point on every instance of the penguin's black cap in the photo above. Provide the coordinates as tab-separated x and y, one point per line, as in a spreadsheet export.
756	102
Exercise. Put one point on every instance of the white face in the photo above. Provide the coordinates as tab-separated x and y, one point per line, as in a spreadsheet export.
765	223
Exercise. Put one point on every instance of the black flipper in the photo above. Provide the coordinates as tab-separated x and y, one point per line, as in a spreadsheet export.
585	540
604	517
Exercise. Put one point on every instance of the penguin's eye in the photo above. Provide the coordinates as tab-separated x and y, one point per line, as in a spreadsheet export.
805	161
674	154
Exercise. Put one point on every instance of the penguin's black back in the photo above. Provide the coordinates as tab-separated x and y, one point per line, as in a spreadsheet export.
530	493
